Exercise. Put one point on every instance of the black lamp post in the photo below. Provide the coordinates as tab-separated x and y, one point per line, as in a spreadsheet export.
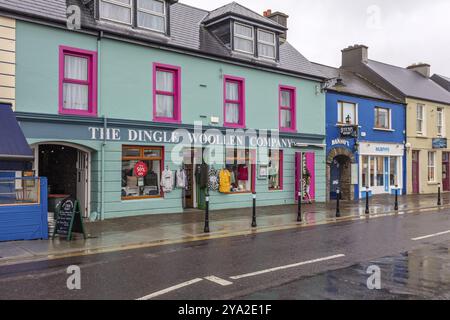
396	198
338	198
439	195
254	225
206	230
367	200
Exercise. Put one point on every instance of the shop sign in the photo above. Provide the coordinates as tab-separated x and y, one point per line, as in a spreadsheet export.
349	131
140	169
381	149
440	143
344	142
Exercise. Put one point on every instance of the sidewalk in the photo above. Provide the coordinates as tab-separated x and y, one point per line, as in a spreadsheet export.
153	230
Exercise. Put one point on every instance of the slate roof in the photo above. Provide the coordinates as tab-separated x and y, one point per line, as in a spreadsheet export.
235	8
355	83
443	81
410	83
186	28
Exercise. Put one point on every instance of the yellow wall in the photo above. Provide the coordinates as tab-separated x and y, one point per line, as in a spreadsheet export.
7	60
423	143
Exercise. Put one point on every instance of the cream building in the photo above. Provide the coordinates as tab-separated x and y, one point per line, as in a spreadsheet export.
427	117
7	60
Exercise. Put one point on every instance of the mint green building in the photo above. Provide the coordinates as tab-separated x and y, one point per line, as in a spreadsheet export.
113	110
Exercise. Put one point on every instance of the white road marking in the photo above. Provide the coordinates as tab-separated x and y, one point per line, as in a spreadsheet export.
218	280
431	236
287	267
179	286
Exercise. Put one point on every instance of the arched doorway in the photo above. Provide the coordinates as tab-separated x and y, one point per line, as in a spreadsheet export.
67	168
339	173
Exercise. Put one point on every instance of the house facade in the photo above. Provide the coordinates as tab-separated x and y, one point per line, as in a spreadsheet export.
148	87
365	128
427	112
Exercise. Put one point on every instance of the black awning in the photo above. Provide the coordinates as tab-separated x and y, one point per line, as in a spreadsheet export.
13	145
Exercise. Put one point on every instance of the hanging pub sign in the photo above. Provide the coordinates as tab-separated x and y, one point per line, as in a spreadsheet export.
349	131
68	219
440	143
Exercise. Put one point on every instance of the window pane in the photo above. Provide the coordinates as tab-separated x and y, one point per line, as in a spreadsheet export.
150	21
365	170
164	81
274	170
393	171
131	152
76	96
164	106
152	5
243	30
286	121
372	171
382	120
266	37
115	12
286	98
75	68
232	91
243	45
380	171
266	50
152	153
134	186
349	111
232	113
127	2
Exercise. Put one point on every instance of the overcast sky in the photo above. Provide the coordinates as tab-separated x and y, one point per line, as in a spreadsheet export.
399	32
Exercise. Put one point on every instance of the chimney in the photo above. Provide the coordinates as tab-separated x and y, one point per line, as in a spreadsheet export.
355	55
280	18
423	68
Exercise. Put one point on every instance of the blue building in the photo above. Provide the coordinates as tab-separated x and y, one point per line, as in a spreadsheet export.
366	136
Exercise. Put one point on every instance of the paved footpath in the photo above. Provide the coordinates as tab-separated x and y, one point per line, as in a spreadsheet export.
155	230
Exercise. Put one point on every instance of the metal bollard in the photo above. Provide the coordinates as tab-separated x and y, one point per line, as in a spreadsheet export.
439	195
299	211
367	201
254	225
396	198
207	214
338	209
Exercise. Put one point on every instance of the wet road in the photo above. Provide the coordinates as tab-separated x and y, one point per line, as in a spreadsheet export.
324	262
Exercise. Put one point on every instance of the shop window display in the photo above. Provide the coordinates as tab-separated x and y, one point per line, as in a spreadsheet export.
237	176
142	168
275	171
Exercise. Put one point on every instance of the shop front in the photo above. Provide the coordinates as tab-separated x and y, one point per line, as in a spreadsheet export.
119	168
381	168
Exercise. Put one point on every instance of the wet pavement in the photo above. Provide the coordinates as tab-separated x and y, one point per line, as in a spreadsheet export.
154	230
326	261
421	274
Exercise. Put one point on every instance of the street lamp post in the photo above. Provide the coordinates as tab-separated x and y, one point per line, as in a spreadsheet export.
396	198
338	198
206	230
299	209
439	195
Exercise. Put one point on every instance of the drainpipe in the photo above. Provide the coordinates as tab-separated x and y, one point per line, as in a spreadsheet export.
105	123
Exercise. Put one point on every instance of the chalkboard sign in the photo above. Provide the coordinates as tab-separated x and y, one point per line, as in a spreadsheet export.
68	219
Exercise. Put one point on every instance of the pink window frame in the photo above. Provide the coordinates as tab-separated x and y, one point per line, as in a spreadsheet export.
292	108
176	71
91	82
281	168
241	102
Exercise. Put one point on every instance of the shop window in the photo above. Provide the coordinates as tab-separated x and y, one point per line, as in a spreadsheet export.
275	170
393	175
234	102
239	171
244	38
166	93
380	171
432	166
365	171
78	82
347	113
267	46
440	122
382	118
420	118
287	106
141	172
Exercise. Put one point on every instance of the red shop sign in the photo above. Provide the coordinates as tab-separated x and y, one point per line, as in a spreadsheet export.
140	169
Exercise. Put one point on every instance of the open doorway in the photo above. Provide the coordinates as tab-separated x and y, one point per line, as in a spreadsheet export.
67	171
340	177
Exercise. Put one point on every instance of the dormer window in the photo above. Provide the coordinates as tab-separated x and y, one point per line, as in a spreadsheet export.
145	14
117	10
151	14
267	44
244	38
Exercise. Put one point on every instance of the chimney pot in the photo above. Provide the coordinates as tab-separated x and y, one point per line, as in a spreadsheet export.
423	69
354	55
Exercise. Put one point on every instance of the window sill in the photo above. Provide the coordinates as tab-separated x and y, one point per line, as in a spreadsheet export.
383	129
166	120
125	199
65	112
346	125
234	126
433	183
276	190
238	192
287	130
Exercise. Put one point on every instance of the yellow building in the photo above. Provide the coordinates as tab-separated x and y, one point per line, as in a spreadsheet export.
427	117
7	60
